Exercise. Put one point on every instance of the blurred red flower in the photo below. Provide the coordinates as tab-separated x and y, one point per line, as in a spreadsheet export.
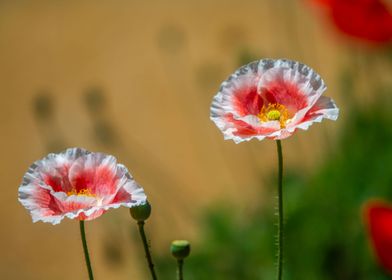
379	221
368	20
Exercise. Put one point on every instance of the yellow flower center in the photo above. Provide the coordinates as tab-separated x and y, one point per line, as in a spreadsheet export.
274	112
85	192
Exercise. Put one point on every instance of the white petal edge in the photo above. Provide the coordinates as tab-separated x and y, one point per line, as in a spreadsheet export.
52	160
138	198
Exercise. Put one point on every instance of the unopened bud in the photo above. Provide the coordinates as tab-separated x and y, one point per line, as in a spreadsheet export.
141	212
180	249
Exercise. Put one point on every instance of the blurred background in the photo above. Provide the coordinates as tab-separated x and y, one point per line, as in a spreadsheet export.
135	79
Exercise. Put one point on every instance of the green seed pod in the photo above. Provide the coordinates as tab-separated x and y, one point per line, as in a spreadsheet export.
180	249
141	212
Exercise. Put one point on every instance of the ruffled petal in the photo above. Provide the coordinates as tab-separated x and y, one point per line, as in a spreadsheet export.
51	172
238	95
291	84
325	108
40	203
246	128
129	191
96	173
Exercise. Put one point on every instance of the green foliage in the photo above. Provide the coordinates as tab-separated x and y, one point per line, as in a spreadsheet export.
325	234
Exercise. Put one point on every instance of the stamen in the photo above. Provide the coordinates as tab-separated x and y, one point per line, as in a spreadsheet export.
274	112
85	192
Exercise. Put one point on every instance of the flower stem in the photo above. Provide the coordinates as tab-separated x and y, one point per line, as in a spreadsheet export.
146	249
280	209
85	249
180	265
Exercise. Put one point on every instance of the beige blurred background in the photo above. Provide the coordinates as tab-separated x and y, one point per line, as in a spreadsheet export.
135	79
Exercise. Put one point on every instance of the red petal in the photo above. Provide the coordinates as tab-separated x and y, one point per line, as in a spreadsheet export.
100	181
122	196
93	216
286	94
57	178
246	101
46	202
245	129
379	216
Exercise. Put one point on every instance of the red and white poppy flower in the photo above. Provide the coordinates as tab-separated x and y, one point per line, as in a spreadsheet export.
270	99
77	184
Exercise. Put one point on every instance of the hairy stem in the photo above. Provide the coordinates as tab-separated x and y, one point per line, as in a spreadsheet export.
147	249
280	209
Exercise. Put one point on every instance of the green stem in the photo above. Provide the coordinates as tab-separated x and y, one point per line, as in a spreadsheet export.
147	249
180	264
85	249
280	211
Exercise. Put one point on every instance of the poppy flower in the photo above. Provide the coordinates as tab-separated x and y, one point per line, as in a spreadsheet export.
379	221
368	20
77	184
270	99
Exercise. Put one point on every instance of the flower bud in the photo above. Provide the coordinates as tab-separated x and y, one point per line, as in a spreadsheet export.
180	249
141	212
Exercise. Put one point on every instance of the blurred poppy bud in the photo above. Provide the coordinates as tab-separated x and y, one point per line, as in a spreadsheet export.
180	249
